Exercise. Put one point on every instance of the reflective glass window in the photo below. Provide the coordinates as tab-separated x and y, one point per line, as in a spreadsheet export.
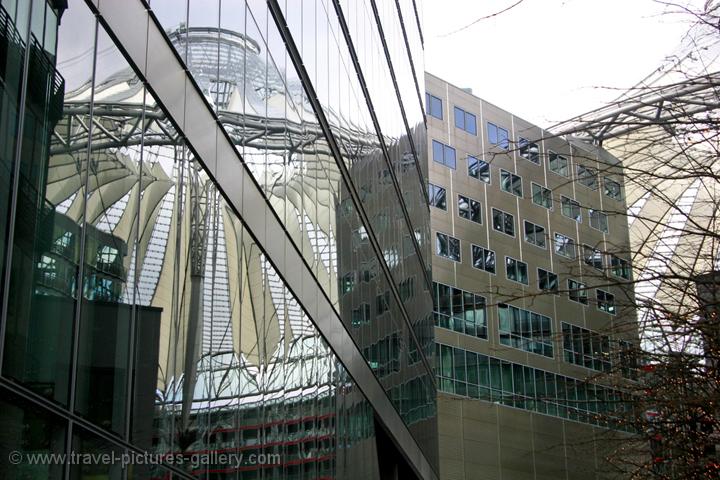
511	183
564	246
438	197
612	188
558	164
503	222
498	136
577	291
433	106
479	169
469	209
465	121
570	208
541	196
587	176
483	259
620	267
592	257
598	220
516	270
524	329
447	246
535	234
443	154
605	301
529	151
547	281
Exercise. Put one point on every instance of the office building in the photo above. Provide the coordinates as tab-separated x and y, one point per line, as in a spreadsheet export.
532	312
215	241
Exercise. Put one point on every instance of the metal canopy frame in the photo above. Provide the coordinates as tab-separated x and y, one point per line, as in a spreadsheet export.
666	106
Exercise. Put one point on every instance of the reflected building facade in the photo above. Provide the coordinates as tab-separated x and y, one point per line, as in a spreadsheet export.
215	240
534	308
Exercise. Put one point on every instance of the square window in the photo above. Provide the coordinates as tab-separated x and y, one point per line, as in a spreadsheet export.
443	154
529	151
548	281
541	196
593	257
438	196
598	220
535	234
612	188
465	121
605	301
479	169
558	164
620	267
503	222
577	291
587	176
511	183
564	246
447	246
516	270
433	106
571	209
483	259
498	136
469	209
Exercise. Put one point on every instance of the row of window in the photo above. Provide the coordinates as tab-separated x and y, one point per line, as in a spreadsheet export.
362	314
525	330
598	352
541	196
511	183
528	150
586	348
517	271
460	311
383	356
465	312
468	208
474	375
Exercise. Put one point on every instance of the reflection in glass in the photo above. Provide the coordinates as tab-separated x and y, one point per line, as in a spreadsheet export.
130	267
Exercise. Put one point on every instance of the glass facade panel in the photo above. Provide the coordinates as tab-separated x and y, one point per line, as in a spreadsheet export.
29	430
49	213
138	297
529	151
503	222
526	330
458	310
526	387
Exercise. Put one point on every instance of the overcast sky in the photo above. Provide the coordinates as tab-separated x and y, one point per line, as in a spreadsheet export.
548	60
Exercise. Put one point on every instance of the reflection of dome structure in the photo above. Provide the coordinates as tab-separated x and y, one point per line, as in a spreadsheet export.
242	82
137	157
119	183
178	240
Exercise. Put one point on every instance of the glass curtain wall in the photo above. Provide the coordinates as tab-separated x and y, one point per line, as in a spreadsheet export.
136	300
240	62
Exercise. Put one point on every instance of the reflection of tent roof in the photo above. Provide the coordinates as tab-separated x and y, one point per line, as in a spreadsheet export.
127	176
223	380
